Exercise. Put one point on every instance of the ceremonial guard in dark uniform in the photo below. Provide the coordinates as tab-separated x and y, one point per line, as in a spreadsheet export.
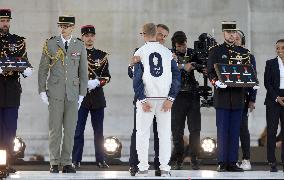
11	45
228	101
94	102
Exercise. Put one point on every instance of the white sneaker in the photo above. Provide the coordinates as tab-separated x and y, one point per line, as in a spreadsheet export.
142	173
165	173
246	166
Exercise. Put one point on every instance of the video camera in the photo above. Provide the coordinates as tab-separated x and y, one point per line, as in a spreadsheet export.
201	48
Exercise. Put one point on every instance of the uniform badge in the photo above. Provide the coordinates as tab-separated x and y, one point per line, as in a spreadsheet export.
75	54
224	56
12	47
97	62
239	59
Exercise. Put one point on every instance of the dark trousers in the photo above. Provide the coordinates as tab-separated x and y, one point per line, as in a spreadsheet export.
133	159
186	107
244	133
8	128
228	131
274	112
97	118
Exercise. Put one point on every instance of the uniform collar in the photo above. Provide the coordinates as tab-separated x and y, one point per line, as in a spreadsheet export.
92	49
64	40
228	45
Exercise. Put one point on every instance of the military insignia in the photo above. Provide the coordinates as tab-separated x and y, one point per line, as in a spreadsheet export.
224	56
97	62
12	47
75	54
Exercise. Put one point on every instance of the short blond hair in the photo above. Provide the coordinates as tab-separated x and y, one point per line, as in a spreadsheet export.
150	29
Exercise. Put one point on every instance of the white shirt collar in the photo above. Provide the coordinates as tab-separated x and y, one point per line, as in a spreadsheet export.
64	40
279	61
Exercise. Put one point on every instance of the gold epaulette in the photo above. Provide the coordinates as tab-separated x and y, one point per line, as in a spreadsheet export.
213	46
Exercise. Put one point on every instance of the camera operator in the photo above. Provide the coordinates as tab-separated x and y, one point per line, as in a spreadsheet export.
186	105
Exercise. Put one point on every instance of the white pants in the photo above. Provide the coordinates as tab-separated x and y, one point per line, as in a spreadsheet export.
144	121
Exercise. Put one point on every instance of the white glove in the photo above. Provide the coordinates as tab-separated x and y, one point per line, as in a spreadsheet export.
1	71
219	84
28	72
92	84
80	101
256	87
44	97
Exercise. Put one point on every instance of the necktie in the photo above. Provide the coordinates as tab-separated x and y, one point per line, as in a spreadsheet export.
66	45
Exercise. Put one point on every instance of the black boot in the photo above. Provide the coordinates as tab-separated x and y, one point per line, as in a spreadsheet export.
194	163
178	165
158	172
221	167
76	164
133	170
273	167
11	170
102	164
68	169
234	168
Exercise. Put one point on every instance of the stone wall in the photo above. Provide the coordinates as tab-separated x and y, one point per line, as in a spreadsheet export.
118	25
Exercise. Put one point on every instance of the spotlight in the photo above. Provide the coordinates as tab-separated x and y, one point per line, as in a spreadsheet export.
112	147
3	163
19	148
208	148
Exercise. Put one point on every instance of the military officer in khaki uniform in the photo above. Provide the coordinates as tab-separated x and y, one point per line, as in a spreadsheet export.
64	58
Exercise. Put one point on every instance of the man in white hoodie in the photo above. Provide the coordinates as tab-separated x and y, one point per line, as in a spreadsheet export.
156	83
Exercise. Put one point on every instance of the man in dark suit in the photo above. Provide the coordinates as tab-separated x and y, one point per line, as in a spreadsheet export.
274	101
94	102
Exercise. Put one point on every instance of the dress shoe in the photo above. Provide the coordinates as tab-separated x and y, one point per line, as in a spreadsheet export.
133	170
273	167
234	168
68	169
54	169
221	167
102	164
158	172
76	165
178	164
11	170
194	164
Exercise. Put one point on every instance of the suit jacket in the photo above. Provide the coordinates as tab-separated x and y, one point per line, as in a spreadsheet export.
68	71
271	79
